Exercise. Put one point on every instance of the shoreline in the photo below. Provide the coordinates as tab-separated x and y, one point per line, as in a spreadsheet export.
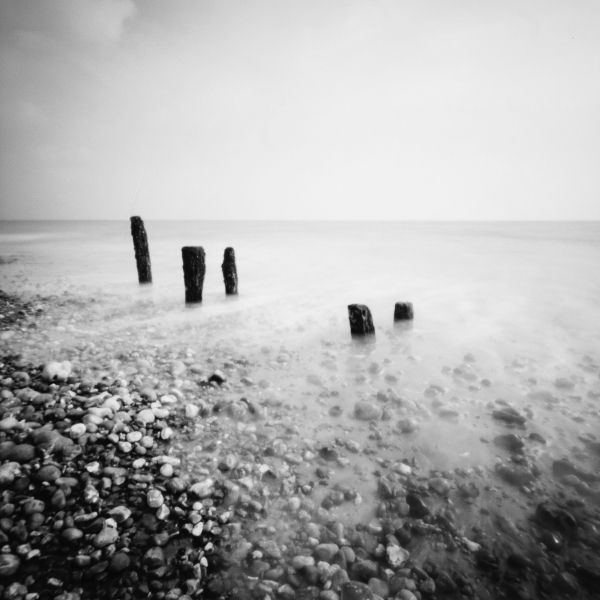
235	473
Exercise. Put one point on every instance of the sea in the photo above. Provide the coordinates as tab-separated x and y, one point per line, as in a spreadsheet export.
506	318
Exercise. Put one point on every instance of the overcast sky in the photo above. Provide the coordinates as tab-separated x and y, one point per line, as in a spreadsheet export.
300	109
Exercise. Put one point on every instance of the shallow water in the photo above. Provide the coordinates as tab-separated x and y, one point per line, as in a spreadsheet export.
505	315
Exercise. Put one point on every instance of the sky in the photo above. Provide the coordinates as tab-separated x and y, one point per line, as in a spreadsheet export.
300	109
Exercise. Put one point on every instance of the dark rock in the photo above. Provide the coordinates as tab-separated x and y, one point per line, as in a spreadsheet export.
364	570
418	508
119	562
510	442
48	473
354	590
21	453
509	415
154	558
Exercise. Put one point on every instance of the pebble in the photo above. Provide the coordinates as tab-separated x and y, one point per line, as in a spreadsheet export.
107	536
366	411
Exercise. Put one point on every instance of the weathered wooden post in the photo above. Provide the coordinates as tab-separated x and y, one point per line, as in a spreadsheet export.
194	268
230	272
142	251
403	311
361	321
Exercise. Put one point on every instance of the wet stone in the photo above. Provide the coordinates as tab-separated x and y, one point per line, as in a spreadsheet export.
509	415
510	442
366	411
418	508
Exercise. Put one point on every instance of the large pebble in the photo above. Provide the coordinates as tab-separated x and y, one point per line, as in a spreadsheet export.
107	536
155	498
439	485
119	562
48	473
366	411
20	453
77	430
146	415
9	563
9	423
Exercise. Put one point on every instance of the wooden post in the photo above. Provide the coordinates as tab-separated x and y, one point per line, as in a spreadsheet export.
361	321
142	251
403	311
194	269
230	272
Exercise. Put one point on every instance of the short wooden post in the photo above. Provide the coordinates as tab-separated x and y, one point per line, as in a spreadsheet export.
142	250
361	321
194	268
230	272
403	311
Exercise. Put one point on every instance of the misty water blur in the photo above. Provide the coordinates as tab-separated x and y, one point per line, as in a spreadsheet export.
513	305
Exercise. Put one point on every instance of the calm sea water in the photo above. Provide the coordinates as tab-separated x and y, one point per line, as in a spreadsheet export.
516	304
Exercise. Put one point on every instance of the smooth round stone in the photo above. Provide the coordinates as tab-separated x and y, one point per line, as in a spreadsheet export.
325	552
155	498
167	433
33	506
166	470
138	463
301	562
77	430
125	447
119	562
71	534
176	485
107	536
146	416
134	436
9	423
439	485
366	411
163	512
35	521
407	425
20	453
48	473
120	513
147	442
9	563
82	560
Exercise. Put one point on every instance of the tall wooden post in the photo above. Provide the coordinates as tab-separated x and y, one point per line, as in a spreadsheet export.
230	272
142	250
194	268
361	321
403	311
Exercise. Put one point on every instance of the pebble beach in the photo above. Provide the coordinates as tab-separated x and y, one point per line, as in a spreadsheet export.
134	467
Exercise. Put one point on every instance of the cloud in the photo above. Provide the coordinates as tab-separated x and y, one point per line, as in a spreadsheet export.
96	20
91	21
